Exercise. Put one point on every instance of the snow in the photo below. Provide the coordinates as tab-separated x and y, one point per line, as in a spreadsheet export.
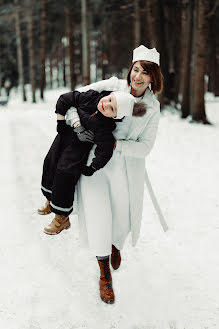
168	281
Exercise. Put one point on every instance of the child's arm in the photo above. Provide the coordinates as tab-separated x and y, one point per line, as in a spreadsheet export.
108	84
86	119
103	154
105	141
60	117
67	100
105	145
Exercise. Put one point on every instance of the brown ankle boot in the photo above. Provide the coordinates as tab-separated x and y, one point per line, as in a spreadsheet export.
106	289
45	210
58	224
115	258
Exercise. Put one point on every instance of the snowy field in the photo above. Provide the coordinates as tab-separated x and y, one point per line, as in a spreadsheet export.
168	281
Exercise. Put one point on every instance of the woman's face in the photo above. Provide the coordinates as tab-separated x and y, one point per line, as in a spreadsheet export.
140	79
108	106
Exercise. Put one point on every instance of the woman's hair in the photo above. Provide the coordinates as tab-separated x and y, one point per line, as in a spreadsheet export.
154	71
139	109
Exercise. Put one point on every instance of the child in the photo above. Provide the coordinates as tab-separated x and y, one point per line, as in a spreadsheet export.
67	157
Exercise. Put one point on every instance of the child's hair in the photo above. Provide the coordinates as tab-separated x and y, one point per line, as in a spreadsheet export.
139	109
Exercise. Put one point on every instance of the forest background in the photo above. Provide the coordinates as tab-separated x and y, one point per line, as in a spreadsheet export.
49	44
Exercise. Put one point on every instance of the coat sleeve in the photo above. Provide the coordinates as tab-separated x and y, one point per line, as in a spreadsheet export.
86	119
108	84
104	150
67	100
103	138
144	144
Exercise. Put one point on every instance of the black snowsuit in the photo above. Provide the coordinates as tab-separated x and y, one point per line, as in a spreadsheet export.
67	155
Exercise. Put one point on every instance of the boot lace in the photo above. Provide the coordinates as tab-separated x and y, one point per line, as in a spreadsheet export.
107	273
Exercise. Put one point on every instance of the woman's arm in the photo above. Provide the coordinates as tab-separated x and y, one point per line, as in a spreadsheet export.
142	147
109	84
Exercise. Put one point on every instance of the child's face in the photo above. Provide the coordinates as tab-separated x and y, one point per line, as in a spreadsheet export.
107	106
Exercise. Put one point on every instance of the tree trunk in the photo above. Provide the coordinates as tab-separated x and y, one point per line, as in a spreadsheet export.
64	65
137	36
0	72
85	43
213	69
156	20
31	53
51	71
58	71
43	49
19	52
162	42
150	18
70	47
186	45
193	64
176	50
170	18
104	55
198	113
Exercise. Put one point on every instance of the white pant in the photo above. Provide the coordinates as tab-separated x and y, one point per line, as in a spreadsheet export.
103	204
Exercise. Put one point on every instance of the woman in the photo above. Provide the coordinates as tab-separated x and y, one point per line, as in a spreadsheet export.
110	202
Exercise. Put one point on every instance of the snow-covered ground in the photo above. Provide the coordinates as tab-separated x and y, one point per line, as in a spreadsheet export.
168	281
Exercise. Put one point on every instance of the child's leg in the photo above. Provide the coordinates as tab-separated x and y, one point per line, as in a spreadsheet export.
45	210
49	167
66	176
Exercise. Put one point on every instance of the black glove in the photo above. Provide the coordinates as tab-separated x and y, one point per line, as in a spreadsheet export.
88	170
84	135
61	126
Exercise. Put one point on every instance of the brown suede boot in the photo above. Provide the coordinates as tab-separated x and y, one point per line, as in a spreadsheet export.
58	224
115	258
106	289
45	210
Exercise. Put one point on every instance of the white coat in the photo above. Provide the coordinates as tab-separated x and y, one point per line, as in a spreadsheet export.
138	144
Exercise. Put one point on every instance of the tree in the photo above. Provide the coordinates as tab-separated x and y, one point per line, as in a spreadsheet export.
155	9
85	43
137	36
42	48
201	44
70	43
213	45
31	52
186	48
19	50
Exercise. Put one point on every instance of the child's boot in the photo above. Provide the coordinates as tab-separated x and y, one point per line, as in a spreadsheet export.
58	224
45	210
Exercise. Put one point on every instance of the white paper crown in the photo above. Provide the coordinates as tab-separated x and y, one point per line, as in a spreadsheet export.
143	53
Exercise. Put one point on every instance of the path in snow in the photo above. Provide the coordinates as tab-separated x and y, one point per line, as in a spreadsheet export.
167	281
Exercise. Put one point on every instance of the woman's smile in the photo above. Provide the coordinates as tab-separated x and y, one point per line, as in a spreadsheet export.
138	83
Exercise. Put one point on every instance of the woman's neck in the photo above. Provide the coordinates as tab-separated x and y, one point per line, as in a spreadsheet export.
137	93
